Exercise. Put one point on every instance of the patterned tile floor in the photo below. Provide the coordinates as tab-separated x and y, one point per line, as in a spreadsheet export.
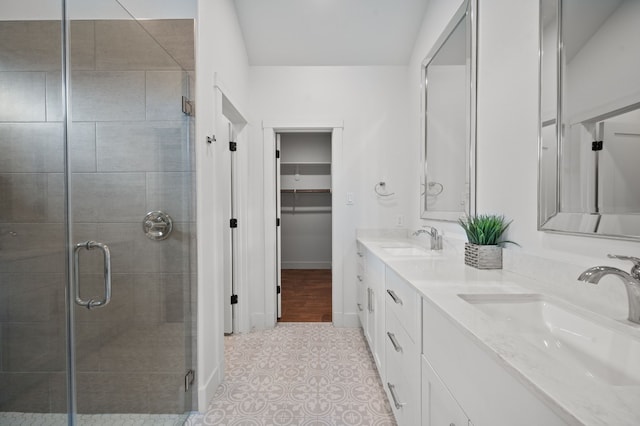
57	419
299	374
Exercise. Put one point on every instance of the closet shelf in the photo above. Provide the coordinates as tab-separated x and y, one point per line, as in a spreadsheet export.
305	168
306	209
305	163
305	191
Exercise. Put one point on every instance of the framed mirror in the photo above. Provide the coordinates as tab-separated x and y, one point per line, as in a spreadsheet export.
448	89
589	137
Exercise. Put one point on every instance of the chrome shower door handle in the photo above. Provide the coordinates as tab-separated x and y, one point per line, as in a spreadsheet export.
106	254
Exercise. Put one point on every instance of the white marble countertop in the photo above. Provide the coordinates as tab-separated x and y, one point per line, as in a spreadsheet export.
567	389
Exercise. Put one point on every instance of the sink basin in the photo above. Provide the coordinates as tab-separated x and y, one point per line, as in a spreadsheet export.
599	352
406	251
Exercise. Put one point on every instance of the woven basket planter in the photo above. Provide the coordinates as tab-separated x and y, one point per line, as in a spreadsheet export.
483	257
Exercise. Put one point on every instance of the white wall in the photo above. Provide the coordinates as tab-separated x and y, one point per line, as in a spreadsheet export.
220	57
507	133
372	103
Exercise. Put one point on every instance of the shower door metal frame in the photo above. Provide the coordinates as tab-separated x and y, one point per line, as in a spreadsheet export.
69	245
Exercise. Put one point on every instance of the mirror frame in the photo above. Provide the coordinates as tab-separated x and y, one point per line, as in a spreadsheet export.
468	9
556	221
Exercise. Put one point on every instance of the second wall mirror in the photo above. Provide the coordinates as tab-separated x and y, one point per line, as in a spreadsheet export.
589	152
449	120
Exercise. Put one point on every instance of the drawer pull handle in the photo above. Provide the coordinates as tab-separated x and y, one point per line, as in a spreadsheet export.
396	401
360	278
394	342
395	297
360	307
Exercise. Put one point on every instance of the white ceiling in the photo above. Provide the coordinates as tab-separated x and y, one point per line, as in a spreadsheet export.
330	32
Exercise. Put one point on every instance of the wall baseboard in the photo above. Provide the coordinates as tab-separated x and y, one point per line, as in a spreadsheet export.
259	322
305	265
207	390
350	320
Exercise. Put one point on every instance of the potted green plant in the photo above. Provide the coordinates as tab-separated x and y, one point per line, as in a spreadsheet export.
484	233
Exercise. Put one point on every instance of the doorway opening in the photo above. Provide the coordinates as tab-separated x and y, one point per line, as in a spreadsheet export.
304	240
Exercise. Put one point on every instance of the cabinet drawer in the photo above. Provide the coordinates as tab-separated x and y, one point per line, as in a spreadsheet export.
400	349
402	299
403	372
403	394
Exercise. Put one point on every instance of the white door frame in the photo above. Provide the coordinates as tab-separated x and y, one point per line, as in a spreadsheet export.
338	215
278	232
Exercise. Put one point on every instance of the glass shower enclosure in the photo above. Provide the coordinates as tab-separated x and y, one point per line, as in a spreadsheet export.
97	217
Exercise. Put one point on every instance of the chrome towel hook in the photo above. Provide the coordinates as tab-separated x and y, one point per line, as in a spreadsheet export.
381	189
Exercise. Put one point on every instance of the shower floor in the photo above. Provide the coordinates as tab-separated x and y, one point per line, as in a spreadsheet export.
55	419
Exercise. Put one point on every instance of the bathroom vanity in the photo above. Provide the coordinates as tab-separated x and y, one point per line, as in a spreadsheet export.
460	346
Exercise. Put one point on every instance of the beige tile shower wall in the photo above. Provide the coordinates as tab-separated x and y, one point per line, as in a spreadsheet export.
128	156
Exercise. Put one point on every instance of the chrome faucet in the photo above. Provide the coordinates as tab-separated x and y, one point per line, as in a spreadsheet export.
630	280
436	239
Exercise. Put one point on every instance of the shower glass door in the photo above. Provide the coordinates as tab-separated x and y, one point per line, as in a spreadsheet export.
97	222
130	183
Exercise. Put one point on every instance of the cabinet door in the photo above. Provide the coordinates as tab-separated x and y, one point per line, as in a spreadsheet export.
361	305
439	408
361	286
361	299
370	331
374	271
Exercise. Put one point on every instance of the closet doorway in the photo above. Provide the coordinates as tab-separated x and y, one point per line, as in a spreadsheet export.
304	240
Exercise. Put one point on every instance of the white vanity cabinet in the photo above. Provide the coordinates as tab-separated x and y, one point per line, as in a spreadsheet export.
402	337
445	363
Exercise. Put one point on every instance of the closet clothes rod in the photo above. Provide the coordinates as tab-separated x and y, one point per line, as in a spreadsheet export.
305	191
295	210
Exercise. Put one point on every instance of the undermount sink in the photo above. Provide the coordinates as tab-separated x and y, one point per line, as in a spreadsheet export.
599	352
405	251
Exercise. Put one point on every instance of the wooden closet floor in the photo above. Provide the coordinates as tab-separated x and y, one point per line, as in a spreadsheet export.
306	295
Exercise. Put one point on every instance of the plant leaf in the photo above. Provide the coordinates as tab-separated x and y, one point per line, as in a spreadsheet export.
484	229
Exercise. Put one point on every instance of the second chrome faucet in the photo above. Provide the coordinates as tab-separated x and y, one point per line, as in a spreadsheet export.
631	281
436	238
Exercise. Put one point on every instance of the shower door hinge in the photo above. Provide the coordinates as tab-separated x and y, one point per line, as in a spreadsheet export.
596	146
189	378
233	146
277	153
233	223
234	299
187	106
